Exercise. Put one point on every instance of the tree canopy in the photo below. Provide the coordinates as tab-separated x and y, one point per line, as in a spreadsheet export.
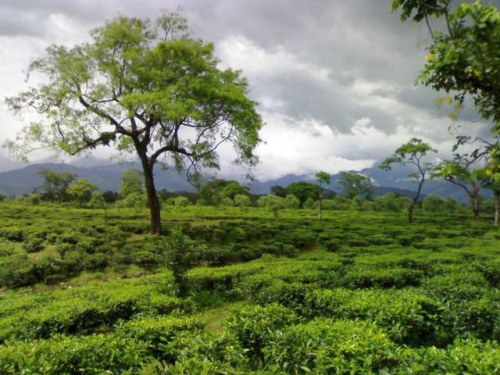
412	154
355	184
144	87
463	56
55	184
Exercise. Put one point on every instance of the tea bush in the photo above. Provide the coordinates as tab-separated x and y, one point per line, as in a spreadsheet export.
325	346
74	355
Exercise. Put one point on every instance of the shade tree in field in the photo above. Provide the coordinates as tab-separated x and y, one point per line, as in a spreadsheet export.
217	191
460	172
412	154
271	203
132	182
491	176
463	54
390	202
82	191
242	200
437	205
323	180
55	184
97	200
145	87
356	184
291	201
473	170
279	191
304	191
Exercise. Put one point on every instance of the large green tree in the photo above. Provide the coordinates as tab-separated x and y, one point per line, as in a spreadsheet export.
460	171
303	191
55	184
145	87
355	184
132	182
463	57
82	190
411	154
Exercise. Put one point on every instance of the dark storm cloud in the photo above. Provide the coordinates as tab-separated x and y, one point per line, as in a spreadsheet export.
332	62
354	41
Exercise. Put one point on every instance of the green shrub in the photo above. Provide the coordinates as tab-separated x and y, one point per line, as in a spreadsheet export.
254	326
325	346
366	277
407	316
76	355
463	357
158	332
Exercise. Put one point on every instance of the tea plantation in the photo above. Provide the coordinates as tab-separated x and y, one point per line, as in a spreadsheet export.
90	292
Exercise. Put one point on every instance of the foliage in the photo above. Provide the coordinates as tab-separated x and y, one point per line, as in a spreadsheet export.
355	184
360	291
303	191
81	191
325	346
143	87
411	153
460	172
462	57
55	184
131	183
179	254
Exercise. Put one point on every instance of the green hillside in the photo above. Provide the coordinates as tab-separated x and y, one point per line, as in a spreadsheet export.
90	292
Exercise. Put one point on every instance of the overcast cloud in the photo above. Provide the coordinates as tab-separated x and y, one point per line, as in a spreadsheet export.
334	79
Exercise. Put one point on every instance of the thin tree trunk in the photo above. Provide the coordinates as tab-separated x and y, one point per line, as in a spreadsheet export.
153	202
475	206
414	201
411	208
497	208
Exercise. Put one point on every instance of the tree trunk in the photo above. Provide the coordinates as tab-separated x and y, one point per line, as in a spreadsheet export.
411	208
497	208
414	201
320	215
475	206
153	202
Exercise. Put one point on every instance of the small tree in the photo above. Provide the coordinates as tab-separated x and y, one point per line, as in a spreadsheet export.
303	190
97	200
81	191
3	197
272	203
291	201
179	253
279	191
55	184
355	184
181	201
411	153
323	179
132	181
490	174
460	172
242	200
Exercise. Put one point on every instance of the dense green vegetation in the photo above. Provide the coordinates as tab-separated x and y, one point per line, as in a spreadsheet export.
90	291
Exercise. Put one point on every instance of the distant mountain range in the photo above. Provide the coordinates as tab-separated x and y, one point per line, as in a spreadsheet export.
107	176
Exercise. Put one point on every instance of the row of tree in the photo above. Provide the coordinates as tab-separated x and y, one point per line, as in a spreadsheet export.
357	189
152	89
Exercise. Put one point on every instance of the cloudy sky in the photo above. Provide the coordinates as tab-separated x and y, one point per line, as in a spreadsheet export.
334	79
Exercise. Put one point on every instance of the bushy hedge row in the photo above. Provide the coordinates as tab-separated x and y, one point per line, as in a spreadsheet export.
82	310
